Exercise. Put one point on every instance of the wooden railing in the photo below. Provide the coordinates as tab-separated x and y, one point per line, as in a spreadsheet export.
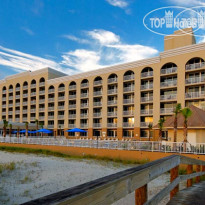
111	188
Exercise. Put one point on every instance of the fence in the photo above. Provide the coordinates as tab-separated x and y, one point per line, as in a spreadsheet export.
111	188
153	146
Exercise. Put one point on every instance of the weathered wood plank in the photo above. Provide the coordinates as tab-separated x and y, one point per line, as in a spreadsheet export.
141	195
174	173
198	169
189	172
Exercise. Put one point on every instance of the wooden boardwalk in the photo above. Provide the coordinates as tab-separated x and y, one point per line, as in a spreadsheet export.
194	195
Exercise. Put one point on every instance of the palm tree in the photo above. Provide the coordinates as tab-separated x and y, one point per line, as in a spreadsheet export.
5	122
37	123
150	128
60	129
176	111
10	129
26	125
186	112
18	130
161	124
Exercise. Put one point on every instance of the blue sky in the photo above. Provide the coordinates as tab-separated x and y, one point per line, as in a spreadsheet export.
77	35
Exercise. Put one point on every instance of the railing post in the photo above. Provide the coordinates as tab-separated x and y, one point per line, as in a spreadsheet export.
203	169
189	171
198	169
174	173
141	195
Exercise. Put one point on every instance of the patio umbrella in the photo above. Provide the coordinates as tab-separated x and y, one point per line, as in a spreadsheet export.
31	132
44	131
22	131
76	130
14	132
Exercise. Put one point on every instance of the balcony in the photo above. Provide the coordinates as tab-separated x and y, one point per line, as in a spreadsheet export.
4	99
4	106
25	102
61	98
72	106
50	108
147	99
72	87
171	83
60	116
84	125
147	74
3	113
25	87
112	114
32	118
112	125
84	85
84	105
168	71
146	112
61	89
10	112
112	91
195	95
97	104
97	114
41	101
33	94
72	96
17	104
60	126
51	90
128	112
17	119
129	89
33	102
72	116
4	92
17	96
11	105
128	77
98	82
24	119
51	117
11	98
41	109
195	66
18	89
147	86
42	92
112	80
168	97
16	112
166	110
97	93
112	102
128	125
84	115
84	95
33	85
128	101
10	90
25	95
41	84
41	117
61	107
71	126
195	80
51	99
97	125
33	110
145	124
50	126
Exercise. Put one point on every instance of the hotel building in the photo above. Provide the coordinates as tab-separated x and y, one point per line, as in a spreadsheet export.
118	101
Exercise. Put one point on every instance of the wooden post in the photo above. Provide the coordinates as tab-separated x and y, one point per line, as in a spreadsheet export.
141	195
189	171
198	169
174	173
203	169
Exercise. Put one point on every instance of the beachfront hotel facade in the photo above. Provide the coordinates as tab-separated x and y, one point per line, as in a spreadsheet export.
113	102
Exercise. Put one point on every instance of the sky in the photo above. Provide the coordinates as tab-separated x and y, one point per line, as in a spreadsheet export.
76	36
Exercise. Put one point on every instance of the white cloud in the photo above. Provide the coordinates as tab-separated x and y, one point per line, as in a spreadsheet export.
104	37
28	31
201	40
118	3
188	3
74	38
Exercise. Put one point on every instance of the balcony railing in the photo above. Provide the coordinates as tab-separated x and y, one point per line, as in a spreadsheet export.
129	77
51	117
62	107
60	116
147	74
127	124
112	102
41	109
50	126
51	99
147	86
25	119
72	96
84	95
71	126
16	112
42	84
195	80
168	83
98	82
25	95
84	115
112	91
51	90
61	89
166	110
168	97
84	105
129	89
33	94
72	106
33	85
4	106
17	104
32	118
3	113
97	103
128	101
84	85
97	125
97	114
146	112
112	80
84	125
50	108
61	98
147	99
18	89
33	110
72	116
10	112
112	114
33	102
42	92
25	103
145	124
11	105
128	112
195	94
41	117
112	125
4	99
41	100
17	96
195	66
11	98
25	87
96	93
168	70
10	90
72	87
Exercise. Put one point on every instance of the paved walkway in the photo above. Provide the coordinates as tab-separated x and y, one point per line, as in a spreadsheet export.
194	195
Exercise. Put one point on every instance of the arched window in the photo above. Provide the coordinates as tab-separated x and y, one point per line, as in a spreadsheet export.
112	78
169	68
129	75
147	72
85	83
195	63
42	80
33	82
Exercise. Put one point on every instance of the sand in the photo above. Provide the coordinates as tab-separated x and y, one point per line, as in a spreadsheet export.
36	176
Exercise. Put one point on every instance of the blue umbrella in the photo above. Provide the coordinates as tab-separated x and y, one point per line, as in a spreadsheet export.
22	131
31	132
14	132
44	131
76	130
